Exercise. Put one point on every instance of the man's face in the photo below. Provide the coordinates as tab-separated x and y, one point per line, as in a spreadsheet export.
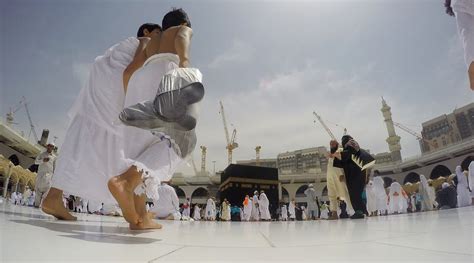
49	148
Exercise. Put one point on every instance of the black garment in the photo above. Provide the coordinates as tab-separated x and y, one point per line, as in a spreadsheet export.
343	207
355	177
319	208
447	197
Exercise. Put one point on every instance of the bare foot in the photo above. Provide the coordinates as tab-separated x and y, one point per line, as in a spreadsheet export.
53	206
147	223
124	195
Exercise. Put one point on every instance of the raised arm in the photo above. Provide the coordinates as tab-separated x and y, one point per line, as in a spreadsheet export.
137	62
182	42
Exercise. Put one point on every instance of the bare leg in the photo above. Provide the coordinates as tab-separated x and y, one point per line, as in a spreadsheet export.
146	218
122	188
470	71
53	205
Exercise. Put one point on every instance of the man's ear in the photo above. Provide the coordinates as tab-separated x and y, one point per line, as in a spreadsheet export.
146	32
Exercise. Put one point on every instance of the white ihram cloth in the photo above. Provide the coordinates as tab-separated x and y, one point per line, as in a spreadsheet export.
371	197
464	10
263	205
186	209
424	190
168	204
292	210
197	213
397	202
153	155
45	171
255	213
93	146
380	195
464	196
210	210
248	209
284	213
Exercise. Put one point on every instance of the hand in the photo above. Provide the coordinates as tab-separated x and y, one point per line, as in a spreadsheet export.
46	160
341	178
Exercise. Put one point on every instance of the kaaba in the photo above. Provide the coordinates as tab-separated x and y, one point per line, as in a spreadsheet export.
239	180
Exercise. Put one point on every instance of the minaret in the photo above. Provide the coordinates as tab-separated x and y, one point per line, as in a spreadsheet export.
393	139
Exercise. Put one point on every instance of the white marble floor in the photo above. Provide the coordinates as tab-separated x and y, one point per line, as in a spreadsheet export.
26	234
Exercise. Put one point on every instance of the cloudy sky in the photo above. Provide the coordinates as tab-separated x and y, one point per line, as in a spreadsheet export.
272	63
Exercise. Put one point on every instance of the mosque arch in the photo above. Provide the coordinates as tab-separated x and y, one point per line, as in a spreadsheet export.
411	178
300	191
325	191
387	181
440	170
14	159
180	192
465	163
200	192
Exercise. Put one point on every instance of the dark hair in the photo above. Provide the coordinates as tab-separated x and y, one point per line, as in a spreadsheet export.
449	9
345	139
175	17
149	26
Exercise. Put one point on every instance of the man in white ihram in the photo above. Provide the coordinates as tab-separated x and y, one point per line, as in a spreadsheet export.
263	204
46	162
210	210
311	201
167	207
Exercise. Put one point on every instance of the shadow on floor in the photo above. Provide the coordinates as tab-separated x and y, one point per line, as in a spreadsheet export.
94	233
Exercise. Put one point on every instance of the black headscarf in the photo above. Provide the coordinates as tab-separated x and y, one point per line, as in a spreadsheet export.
345	139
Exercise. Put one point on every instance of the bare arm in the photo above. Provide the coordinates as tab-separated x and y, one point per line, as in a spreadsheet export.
137	62
182	42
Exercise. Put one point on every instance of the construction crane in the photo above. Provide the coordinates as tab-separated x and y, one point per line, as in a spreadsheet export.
203	159
412	132
10	118
257	152
231	144
194	166
325	126
32	127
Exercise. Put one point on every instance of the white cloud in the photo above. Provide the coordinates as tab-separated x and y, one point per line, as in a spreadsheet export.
239	52
277	114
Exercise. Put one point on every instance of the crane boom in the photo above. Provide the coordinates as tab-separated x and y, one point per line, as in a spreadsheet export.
31	123
226	130
324	126
410	131
194	166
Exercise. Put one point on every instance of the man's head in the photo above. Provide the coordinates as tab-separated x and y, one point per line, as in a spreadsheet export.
176	17
333	144
345	139
310	186
255	193
50	147
147	29
261	191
